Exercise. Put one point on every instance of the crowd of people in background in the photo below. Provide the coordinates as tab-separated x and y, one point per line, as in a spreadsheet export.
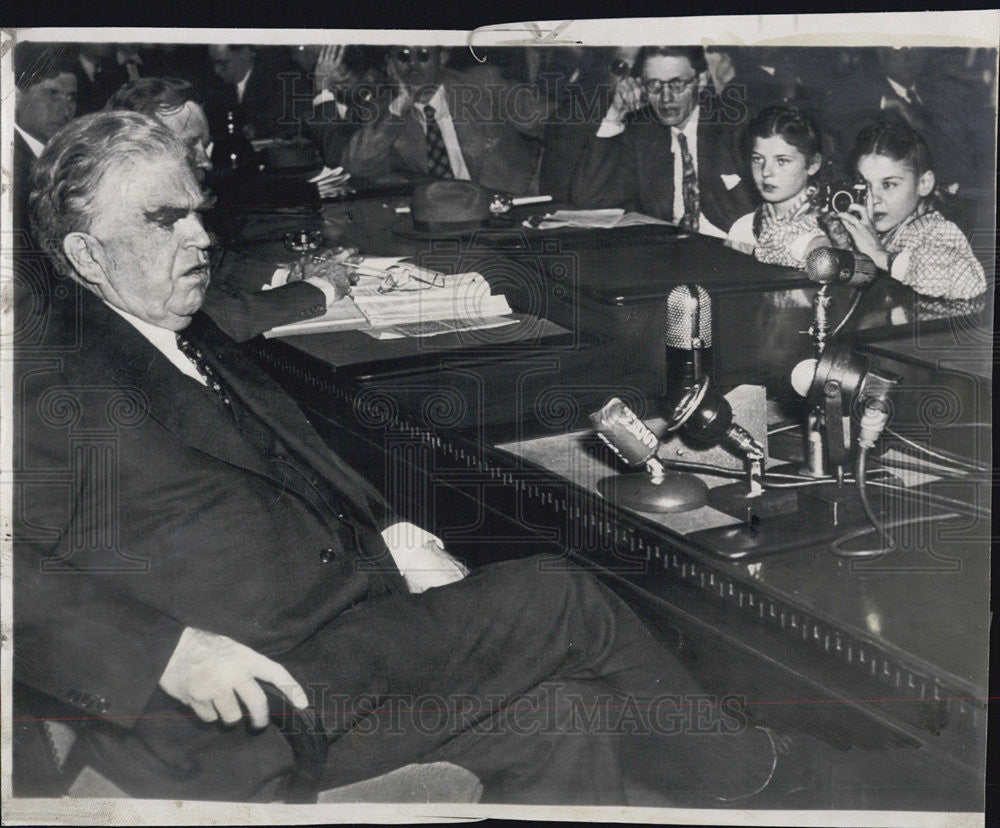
699	136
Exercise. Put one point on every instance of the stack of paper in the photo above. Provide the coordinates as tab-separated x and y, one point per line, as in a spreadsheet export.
599	219
404	300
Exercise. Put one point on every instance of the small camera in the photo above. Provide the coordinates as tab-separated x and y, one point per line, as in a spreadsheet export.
840	195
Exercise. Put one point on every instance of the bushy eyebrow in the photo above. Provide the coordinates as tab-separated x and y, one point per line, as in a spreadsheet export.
168	215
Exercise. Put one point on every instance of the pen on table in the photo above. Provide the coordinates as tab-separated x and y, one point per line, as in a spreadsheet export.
514	202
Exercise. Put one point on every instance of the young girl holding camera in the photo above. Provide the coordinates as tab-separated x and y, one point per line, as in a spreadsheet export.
901	231
785	153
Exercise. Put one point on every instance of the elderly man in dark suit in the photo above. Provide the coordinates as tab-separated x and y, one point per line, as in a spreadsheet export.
669	148
235	298
185	541
472	125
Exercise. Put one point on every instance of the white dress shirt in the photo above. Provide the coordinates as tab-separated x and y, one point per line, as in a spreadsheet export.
443	117
609	129
89	66
33	143
241	87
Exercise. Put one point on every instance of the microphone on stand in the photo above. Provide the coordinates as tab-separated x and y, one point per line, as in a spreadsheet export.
687	339
830	265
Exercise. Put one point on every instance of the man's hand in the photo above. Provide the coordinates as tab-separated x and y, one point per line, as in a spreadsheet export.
212	674
630	95
403	100
333	185
332	265
330	70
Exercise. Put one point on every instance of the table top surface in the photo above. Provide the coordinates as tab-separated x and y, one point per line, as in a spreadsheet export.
930	602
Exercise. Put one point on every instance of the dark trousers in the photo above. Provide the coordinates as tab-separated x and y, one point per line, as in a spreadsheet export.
541	682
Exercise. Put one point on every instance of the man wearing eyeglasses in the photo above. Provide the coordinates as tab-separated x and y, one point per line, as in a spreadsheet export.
664	148
442	124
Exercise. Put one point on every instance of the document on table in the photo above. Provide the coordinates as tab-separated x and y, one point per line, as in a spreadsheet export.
463	302
597	219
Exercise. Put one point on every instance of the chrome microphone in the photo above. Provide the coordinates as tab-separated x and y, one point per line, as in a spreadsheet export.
622	430
658	490
830	265
687	339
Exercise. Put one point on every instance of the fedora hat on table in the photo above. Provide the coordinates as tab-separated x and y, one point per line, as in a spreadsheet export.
443	209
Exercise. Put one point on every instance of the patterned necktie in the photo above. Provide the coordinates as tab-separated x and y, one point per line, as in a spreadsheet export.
689	185
193	353
438	164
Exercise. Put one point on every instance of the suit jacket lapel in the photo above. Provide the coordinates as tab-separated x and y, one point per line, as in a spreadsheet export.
468	130
258	392
175	401
412	144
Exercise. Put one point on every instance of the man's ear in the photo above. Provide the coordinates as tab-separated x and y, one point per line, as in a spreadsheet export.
703	79
925	186
84	254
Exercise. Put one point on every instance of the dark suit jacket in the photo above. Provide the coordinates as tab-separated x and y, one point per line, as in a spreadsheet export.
235	302
498	123
331	133
272	100
143	511
24	162
635	169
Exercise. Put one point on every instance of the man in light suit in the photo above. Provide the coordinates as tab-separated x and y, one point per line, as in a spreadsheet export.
471	125
186	541
668	148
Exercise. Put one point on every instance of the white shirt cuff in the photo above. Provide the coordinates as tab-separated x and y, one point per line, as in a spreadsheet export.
328	290
396	107
609	129
420	557
323	97
278	279
901	266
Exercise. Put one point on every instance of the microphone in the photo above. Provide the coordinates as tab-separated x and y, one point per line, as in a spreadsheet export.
830	265
657	490
687	339
802	377
620	428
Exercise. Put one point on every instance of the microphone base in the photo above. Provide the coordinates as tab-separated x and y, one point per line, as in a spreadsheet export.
677	492
734	499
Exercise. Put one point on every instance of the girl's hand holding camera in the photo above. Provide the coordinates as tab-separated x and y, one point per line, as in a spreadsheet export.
858	222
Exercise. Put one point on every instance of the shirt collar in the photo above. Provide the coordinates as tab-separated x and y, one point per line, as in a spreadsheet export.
162	339
793	208
691	127
242	85
438	101
899	89
33	143
89	66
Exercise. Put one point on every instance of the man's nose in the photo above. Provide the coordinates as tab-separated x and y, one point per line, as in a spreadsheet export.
202	160
197	234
